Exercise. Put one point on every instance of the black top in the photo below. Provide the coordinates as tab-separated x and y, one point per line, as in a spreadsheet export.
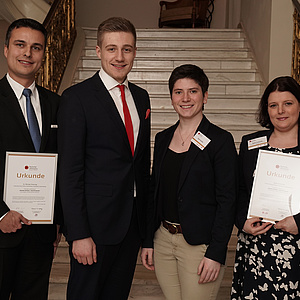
170	173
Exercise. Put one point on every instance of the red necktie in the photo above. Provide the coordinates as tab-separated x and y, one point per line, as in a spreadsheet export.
127	119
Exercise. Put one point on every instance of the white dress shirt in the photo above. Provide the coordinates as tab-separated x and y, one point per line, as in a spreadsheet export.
111	86
35	99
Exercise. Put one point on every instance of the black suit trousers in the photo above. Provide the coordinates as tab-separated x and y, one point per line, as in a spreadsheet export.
111	277
25	269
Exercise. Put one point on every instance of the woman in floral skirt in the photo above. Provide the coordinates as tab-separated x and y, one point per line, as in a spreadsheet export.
267	264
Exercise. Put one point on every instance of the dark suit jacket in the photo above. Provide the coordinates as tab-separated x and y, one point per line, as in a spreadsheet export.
15	136
96	169
247	165
206	191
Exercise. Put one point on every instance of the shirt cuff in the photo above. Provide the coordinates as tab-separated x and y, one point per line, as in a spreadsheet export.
3	216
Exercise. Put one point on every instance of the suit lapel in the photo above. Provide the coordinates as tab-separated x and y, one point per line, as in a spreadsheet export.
105	99
46	117
141	113
10	100
192	153
163	147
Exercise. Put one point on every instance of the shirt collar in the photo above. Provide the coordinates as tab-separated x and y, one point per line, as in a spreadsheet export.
18	88
110	82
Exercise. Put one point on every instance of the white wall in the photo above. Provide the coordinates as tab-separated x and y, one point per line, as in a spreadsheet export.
142	13
281	38
256	20
269	27
234	13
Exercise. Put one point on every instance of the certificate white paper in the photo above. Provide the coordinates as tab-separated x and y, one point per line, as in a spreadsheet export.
276	186
29	186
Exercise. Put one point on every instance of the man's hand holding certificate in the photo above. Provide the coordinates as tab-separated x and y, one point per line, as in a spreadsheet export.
276	186
29	189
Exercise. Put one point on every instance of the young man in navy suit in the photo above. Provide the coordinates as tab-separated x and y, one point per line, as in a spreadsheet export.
26	250
104	148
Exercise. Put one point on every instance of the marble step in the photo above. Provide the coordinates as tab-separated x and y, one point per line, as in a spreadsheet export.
231	103
224	120
154	87
226	88
164	74
181	54
57	291
251	89
144	285
163	63
185	42
178	33
182	42
62	254
213	75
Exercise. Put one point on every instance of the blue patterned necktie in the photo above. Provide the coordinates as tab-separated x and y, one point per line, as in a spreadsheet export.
32	121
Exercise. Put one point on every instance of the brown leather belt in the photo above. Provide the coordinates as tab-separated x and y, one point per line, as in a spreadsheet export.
172	228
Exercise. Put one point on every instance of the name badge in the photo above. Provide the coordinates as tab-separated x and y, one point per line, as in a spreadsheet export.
257	143
200	140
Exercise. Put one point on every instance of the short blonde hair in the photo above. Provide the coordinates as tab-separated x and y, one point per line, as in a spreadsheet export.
115	24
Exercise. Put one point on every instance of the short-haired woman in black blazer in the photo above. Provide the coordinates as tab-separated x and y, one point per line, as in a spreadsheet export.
268	257
194	195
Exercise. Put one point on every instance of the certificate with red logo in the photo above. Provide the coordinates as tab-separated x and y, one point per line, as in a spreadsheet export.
276	186
29	185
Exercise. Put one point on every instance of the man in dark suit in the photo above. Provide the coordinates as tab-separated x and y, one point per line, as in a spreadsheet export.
26	250
104	148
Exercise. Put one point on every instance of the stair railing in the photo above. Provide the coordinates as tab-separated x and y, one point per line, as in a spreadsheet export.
296	42
60	24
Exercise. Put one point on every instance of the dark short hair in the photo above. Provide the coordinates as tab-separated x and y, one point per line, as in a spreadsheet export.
25	22
191	72
115	24
280	84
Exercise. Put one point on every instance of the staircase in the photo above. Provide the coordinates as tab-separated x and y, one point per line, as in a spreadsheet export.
234	92
235	85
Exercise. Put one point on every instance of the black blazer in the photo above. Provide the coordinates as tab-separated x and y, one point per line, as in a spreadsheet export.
96	170
15	136
247	164
206	191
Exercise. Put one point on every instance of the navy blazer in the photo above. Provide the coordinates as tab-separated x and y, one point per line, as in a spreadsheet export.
206	191
96	168
15	136
247	165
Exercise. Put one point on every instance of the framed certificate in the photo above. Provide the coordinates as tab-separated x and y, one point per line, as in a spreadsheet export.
276	186
29	185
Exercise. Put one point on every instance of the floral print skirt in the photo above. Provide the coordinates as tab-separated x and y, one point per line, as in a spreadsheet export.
267	266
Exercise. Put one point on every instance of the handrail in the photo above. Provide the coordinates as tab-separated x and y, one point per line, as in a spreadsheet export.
60	24
297	5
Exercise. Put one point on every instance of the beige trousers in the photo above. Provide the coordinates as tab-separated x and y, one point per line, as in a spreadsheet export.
176	264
